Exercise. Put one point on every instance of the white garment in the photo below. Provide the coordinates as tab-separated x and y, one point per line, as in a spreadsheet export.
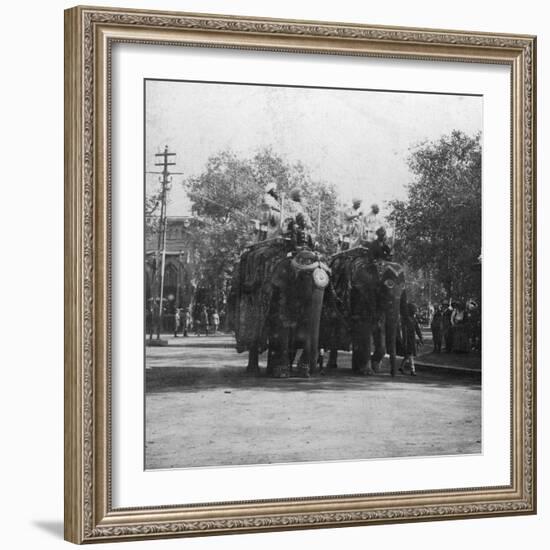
371	224
270	216
457	317
293	208
355	221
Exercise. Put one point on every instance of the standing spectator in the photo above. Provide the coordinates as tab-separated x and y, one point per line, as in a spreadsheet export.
474	325
459	329
437	328
411	329
177	321
431	313
149	318
215	320
187	322
204	320
447	326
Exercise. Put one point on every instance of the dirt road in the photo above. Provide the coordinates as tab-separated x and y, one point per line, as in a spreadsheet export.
203	410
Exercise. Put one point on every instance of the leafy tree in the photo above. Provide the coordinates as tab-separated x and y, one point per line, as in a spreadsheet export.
438	226
227	196
152	208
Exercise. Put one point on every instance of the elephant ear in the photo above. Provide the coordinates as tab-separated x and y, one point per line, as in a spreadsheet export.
391	273
363	272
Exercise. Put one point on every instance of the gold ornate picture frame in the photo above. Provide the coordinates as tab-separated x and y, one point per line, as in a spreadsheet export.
90	34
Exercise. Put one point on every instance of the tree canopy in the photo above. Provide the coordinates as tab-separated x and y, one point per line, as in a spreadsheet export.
227	196
438	226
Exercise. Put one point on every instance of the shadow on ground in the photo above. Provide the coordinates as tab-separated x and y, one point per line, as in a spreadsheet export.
52	527
167	379
201	344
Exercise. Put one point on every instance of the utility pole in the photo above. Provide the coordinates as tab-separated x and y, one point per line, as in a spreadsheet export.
165	180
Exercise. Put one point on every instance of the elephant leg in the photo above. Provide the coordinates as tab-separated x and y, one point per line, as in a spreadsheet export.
333	358
356	344
281	356
253	356
379	337
391	342
360	360
292	350
270	359
360	356
303	365
291	357
365	367
321	361
361	363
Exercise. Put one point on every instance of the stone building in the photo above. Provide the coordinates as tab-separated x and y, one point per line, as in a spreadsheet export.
179	272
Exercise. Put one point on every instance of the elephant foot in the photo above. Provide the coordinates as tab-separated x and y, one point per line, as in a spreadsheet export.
365	371
252	371
303	371
392	372
281	372
376	366
332	366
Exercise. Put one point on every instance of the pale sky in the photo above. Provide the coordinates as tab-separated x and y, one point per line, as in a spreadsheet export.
356	139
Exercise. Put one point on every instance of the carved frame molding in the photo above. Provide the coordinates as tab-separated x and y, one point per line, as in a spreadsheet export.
89	35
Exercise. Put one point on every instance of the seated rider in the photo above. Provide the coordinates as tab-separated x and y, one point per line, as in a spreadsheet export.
370	224
297	222
360	228
270	215
379	249
353	219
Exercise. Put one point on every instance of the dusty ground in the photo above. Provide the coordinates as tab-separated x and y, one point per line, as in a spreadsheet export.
203	410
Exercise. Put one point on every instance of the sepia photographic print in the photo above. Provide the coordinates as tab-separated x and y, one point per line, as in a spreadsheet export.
312	264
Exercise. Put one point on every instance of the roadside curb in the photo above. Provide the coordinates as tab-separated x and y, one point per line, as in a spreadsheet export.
465	371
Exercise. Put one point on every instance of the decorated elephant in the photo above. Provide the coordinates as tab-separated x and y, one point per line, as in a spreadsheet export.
363	304
276	301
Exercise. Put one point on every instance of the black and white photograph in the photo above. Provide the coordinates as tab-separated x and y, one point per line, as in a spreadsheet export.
312	268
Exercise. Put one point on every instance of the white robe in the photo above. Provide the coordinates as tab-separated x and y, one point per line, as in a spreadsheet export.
271	216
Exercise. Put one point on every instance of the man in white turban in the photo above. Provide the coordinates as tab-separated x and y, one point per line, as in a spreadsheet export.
354	221
270	214
371	224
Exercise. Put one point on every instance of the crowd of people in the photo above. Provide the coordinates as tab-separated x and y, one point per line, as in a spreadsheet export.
456	327
205	321
192	320
290	219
